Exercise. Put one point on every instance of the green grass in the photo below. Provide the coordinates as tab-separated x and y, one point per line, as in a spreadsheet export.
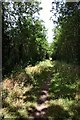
64	92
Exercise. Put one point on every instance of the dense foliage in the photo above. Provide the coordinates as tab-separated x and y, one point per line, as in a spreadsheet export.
66	44
38	88
24	35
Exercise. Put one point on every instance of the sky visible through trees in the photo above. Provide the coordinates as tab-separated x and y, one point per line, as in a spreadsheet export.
45	15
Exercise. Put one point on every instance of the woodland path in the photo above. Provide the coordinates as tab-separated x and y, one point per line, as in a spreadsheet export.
40	109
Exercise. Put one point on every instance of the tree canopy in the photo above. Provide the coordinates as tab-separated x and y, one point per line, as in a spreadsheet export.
66	44
23	33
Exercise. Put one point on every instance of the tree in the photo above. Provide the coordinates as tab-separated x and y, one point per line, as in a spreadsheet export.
67	38
21	29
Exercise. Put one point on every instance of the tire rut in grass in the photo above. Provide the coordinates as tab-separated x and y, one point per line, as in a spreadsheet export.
40	109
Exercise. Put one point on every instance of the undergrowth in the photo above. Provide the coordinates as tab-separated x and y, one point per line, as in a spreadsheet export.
21	90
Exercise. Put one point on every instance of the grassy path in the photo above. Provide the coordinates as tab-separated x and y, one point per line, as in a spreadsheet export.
49	90
40	109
